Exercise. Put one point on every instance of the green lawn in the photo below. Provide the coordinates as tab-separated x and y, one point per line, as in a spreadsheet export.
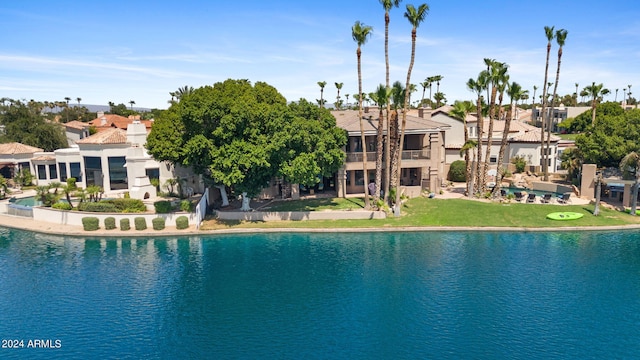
567	136
447	212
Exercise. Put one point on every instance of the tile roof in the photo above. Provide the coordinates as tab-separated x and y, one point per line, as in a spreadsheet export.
532	136
17	148
107	136
75	124
116	121
348	120
44	158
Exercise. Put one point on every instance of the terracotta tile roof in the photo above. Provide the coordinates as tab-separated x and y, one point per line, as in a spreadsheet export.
116	121
77	125
532	137
107	136
17	148
348	120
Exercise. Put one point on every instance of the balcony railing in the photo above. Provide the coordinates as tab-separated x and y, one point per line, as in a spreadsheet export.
423	154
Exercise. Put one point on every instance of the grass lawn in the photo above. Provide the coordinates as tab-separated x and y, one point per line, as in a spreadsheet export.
445	212
567	136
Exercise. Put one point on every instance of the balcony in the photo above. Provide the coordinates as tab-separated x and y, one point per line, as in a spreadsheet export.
423	154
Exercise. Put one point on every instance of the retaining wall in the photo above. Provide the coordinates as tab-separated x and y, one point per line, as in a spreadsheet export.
299	215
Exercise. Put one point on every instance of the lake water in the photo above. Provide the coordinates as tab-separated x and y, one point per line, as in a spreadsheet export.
416	295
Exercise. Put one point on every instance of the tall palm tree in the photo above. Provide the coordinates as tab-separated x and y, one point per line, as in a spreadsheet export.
338	87
415	17
437	79
183	91
616	98
497	76
347	96
387	5
535	88
397	97
78	99
439	98
360	33
478	86
548	30
67	99
460	111
629	93
430	80
561	37
131	102
576	84
383	96
322	84
514	91
630	166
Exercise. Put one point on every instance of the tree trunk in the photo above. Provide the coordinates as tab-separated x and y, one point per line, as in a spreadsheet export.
479	178
387	159
503	146
634	199
245	202
379	135
596	210
362	137
223	195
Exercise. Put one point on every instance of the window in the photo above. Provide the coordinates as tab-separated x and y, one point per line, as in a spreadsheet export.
63	171
153	173
117	172
359	177
75	171
493	159
42	172
93	170
53	172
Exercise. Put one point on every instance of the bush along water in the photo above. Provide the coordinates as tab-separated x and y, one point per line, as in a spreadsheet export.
90	223
182	222
158	223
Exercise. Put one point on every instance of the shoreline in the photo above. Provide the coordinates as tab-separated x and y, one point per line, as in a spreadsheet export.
20	223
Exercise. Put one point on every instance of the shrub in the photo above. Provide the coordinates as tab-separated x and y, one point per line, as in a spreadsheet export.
127	205
162	207
71	183
124	224
102	207
458	171
62	206
110	223
186	205
520	163
158	223
90	223
140	223
182	222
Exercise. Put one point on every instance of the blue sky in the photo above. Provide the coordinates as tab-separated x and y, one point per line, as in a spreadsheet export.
137	50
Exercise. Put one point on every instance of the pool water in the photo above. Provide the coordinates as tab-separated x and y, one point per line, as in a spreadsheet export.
413	295
27	201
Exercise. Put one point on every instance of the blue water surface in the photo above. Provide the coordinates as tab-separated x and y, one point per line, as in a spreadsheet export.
415	295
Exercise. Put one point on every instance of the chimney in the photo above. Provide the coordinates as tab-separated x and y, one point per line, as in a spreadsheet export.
421	112
366	109
100	114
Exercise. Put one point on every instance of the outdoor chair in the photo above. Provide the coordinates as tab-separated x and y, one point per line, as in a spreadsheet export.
565	198
531	198
518	195
503	192
546	198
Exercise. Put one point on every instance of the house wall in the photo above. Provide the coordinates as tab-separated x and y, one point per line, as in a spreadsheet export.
104	152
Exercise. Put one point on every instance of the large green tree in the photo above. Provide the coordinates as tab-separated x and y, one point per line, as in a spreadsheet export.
25	124
242	135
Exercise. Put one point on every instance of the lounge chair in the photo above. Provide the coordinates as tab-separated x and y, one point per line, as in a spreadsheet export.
565	198
546	198
503	192
518	196
531	198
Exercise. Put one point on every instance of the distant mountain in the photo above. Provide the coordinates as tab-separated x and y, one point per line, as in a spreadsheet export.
105	108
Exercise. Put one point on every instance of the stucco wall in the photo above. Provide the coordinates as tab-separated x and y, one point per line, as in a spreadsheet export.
299	215
75	217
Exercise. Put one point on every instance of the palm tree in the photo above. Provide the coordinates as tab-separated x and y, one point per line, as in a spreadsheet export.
514	91
595	91
425	85
576	84
439	98
616	98
387	5
347	96
397	97
131	102
550	35
67	99
338	86
535	88
630	166
430	80
629	93
561	36
437	79
382	95
460	111
415	17
497	76
78	99
322	84
478	86
360	33
183	91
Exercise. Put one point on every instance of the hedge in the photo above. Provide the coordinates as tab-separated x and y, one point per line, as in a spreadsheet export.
127	205
124	224
458	171
163	206
62	206
140	223
158	223
97	207
182	222
110	223
90	223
